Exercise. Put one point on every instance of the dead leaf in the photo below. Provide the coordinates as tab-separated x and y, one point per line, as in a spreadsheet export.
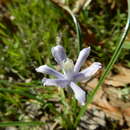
92	84
121	79
115	107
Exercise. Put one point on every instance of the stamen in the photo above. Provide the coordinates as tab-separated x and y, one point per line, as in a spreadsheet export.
68	68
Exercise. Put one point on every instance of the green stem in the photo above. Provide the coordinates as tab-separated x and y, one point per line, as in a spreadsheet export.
108	68
78	32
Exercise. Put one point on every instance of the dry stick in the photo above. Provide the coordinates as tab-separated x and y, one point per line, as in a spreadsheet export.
87	3
79	5
57	2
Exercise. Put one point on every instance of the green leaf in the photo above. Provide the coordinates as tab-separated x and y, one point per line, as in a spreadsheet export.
126	45
2	26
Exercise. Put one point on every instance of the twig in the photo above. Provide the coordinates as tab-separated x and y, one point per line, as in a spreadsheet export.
79	5
59	3
87	3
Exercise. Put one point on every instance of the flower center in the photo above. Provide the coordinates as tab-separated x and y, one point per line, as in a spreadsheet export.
68	68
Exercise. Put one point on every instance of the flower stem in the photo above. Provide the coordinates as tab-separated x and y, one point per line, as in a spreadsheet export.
78	31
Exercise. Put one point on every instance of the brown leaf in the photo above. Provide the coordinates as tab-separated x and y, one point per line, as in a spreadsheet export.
121	79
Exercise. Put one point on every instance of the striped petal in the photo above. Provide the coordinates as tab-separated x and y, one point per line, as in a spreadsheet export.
47	70
59	54
79	77
87	73
55	82
81	59
80	94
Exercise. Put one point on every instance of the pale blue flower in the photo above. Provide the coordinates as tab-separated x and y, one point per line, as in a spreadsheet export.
71	73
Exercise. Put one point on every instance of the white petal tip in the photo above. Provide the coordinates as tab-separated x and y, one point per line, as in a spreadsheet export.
98	64
86	50
37	70
82	104
41	68
43	81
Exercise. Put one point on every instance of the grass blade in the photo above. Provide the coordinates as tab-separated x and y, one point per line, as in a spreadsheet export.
78	31
20	123
21	93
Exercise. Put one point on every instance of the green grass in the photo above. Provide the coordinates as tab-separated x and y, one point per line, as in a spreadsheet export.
28	45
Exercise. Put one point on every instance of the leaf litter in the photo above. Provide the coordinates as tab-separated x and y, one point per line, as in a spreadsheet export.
113	98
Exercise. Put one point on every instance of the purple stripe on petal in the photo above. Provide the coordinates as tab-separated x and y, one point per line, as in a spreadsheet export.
87	73
92	69
79	77
47	70
59	54
80	94
81	59
55	82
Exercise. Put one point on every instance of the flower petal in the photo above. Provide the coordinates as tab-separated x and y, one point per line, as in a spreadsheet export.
87	73
47	70
59	54
80	94
79	77
55	82
81	59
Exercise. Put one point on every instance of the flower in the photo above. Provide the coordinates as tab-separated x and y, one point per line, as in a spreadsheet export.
71	73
